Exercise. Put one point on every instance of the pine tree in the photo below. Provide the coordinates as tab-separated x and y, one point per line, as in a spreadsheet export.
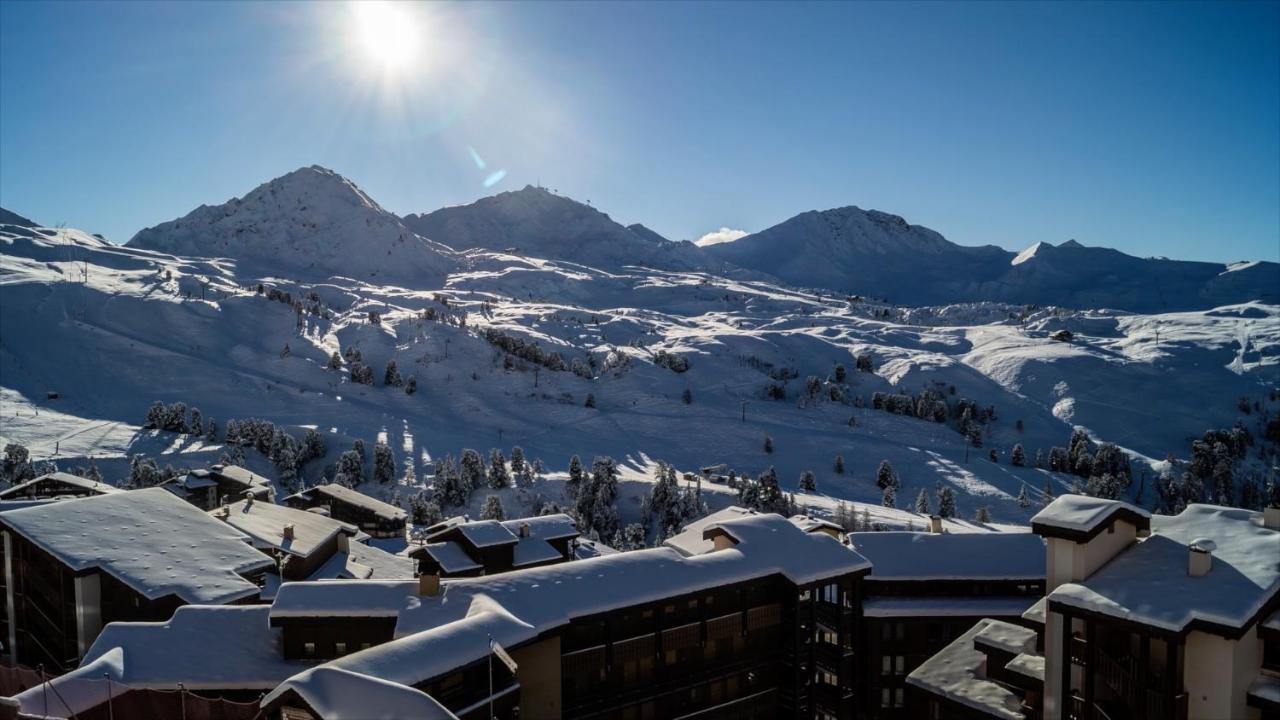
573	485
312	446
410	475
92	472
492	509
591	400
286	352
471	470
287	470
424	511
983	515
771	499
1023	499
889	498
922	502
392	375
335	361
807	481
498	475
946	502
384	464
768	445
17	464
839	465
840	374
517	460
411	386
886	477
350	469
1018	457
449	484
156	415
197	423
211	430
143	472
358	446
633	536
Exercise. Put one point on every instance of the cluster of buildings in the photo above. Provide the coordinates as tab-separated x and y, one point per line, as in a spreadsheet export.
142	600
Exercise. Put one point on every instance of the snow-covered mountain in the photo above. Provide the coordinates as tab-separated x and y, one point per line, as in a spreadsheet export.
873	253
310	223
12	218
538	223
176	316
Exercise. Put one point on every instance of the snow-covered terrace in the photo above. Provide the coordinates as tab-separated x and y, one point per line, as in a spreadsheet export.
1148	583
150	540
337	694
451	557
958	673
945	606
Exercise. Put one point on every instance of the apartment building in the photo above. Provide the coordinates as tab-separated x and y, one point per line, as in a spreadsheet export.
377	518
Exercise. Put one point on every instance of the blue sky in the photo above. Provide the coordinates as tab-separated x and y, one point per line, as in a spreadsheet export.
1152	128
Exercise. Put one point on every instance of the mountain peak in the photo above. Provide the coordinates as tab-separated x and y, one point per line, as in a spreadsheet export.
1070	244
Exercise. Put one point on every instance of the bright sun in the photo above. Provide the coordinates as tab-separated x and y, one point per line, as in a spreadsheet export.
386	33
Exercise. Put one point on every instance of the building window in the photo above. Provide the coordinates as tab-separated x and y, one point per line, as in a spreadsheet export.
340	648
898	699
309	649
827	678
886	697
364	646
899	664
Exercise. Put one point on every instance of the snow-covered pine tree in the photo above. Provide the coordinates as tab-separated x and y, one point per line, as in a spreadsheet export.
573	485
864	521
411	385
409	476
335	361
384	464
392	376
471	470
286	352
886	476
1018	457
287	470
840	374
771	498
983	515
889	498
687	396
197	422
92	472
808	482
350	469
591	400
839	465
211	430
768	444
312	446
143	472
1023	499
17	464
922	502
448	483
633	536
498	476
517	460
492	509
946	502
1039	459
156	415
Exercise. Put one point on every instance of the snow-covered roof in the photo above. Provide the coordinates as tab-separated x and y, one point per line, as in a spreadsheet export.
332	693
150	540
435	635
545	527
991	607
958	673
1264	691
1038	612
809	523
1080	517
951	556
533	550
365	562
203	647
344	598
587	548
239	475
265	523
1149	583
486	533
689	541
344	494
1027	665
451	557
1006	637
75	481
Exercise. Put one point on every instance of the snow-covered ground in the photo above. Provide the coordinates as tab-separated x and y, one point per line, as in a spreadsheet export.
111	329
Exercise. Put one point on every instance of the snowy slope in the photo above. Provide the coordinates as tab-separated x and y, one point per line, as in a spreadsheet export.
11	218
538	223
310	223
113	328
877	254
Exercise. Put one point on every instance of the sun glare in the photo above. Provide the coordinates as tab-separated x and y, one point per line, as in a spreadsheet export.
386	33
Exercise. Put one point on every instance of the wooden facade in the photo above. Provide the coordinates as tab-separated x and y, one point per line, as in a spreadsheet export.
363	512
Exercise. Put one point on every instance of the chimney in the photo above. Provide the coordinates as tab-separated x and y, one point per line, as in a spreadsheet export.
224	511
287	533
524	530
248	499
1201	557
1271	517
344	542
429	584
935	524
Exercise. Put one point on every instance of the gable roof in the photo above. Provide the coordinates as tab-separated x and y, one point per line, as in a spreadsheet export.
343	494
333	693
265	523
1079	517
91	486
150	540
952	556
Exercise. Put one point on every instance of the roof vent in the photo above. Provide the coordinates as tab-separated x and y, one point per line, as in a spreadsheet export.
524	530
1201	557
287	533
1271	517
935	524
224	511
